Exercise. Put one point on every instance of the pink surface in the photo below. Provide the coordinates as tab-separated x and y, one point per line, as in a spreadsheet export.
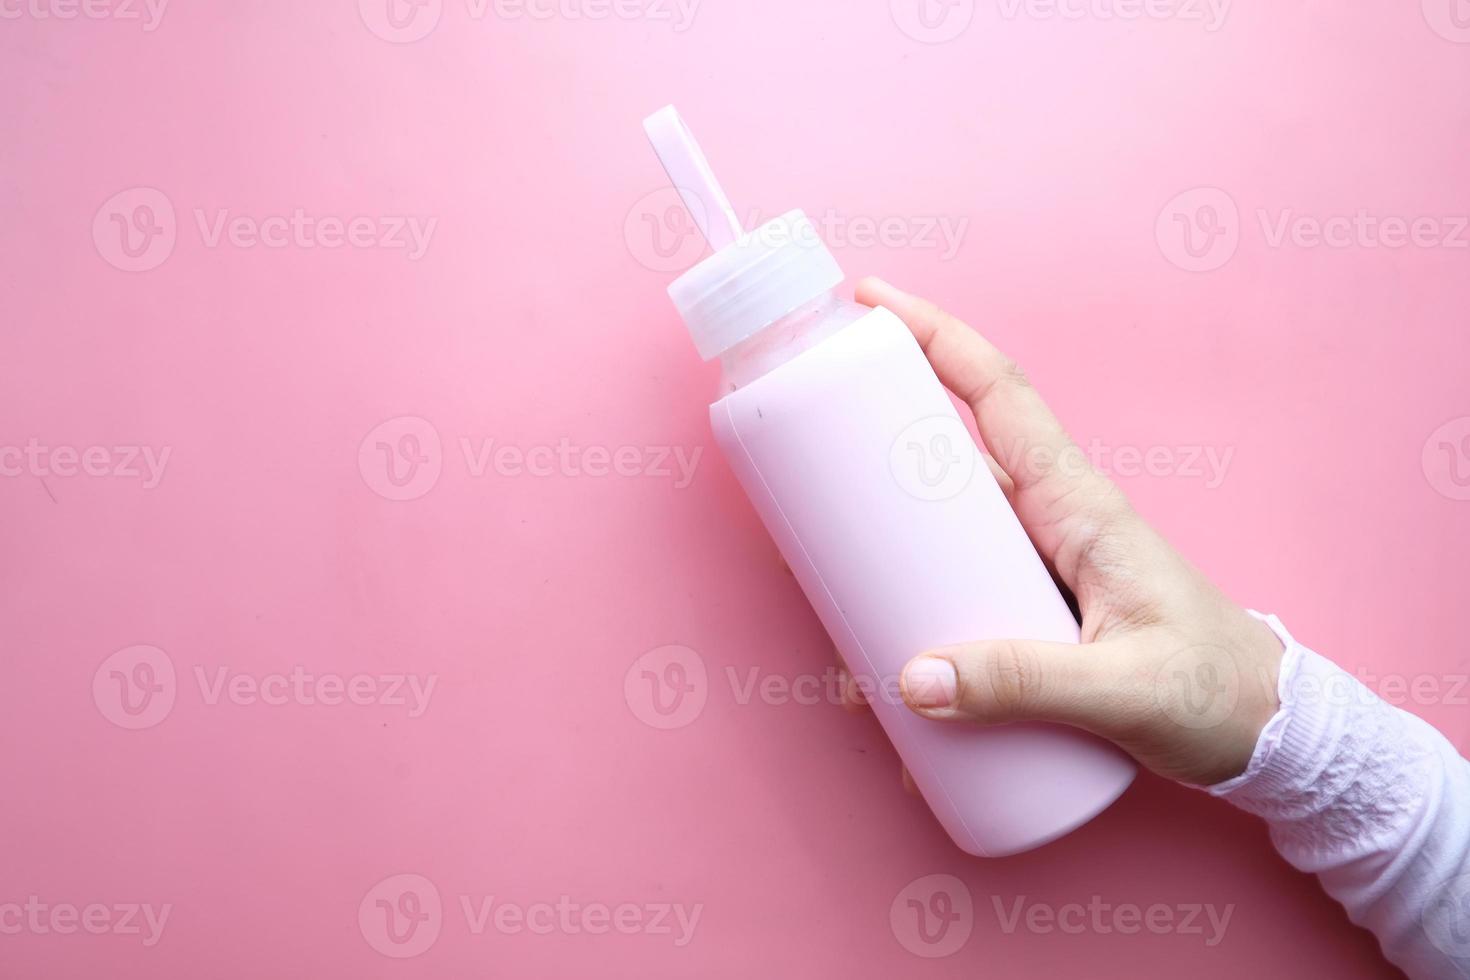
541	771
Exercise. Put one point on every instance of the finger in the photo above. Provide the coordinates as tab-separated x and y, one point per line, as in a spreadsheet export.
850	689
909	786
1013	419
850	693
1095	686
1002	478
1058	494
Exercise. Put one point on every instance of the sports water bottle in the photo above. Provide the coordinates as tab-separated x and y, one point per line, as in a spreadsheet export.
878	498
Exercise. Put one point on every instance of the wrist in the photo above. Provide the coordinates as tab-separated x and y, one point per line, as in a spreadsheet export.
1266	648
1287	726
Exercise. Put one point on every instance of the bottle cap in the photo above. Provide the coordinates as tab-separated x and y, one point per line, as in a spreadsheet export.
753	278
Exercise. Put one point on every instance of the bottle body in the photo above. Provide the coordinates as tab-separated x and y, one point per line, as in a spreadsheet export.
861	469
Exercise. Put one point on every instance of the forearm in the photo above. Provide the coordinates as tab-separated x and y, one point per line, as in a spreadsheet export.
1374	801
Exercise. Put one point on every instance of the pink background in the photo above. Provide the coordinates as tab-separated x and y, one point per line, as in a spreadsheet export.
536	315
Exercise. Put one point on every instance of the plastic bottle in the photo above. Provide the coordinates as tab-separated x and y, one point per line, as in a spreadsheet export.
877	496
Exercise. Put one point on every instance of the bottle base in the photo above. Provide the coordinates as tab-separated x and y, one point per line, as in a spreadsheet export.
1041	836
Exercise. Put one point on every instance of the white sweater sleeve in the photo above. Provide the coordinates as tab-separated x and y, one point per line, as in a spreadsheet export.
1375	802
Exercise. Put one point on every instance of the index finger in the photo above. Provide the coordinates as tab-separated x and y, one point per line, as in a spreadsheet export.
1016	425
1012	418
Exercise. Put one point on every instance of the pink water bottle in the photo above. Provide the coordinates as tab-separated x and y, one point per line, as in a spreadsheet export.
877	496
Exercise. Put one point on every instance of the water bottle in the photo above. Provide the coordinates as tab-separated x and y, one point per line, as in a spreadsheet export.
854	457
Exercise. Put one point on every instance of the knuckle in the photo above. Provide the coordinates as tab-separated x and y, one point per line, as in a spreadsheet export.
1104	508
1013	678
1109	500
1101	546
1013	374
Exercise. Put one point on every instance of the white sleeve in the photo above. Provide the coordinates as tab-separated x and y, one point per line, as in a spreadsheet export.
1375	802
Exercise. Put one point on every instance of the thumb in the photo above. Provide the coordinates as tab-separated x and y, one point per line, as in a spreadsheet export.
1089	686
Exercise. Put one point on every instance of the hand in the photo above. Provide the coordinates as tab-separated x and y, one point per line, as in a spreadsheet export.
1169	668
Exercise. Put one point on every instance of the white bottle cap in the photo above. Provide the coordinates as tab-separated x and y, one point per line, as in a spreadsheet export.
753	282
753	279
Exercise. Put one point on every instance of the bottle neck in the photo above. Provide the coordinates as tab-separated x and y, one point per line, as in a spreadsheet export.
796	332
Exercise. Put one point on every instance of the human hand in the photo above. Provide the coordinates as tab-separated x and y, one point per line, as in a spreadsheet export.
1168	668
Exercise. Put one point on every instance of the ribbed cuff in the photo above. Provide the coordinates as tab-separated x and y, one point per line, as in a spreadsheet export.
1288	754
